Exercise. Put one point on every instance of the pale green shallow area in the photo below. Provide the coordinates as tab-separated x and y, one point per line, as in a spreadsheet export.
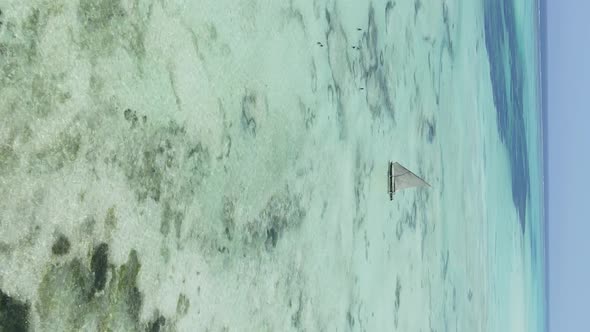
208	166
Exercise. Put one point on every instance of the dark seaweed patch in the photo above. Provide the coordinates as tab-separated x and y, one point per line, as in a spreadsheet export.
5	248
63	295
167	158
66	301
349	319
283	211
42	95
228	218
296	317
328	17
309	115
131	117
431	132
127	285
417	6
98	266
14	314
110	219
199	162
454	298
399	230
413	216
410	216
271	238
423	233
61	246
445	264
98	15
32	28
248	107
8	159
62	152
428	129
335	96
447	41
362	172
296	15
170	215
182	305
335	34
388	9
397	303
314	77
107	26
372	71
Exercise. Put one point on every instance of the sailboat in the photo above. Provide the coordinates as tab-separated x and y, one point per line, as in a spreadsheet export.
401	178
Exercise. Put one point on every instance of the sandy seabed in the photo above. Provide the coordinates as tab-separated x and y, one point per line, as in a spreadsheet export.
221	166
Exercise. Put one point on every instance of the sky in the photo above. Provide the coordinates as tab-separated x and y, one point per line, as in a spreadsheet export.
567	149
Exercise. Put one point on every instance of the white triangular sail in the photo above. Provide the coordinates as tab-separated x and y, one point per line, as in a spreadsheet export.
402	178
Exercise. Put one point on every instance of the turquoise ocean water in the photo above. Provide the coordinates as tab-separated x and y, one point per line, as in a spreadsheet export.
178	165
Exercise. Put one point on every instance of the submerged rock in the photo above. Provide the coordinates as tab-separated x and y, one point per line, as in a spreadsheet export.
61	246
14	314
98	265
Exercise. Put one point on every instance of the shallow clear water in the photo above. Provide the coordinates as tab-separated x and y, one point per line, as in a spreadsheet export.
182	165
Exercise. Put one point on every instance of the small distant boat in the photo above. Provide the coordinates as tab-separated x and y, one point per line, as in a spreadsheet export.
401	178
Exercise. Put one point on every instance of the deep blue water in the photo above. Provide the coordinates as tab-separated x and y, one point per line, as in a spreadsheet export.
507	74
544	85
